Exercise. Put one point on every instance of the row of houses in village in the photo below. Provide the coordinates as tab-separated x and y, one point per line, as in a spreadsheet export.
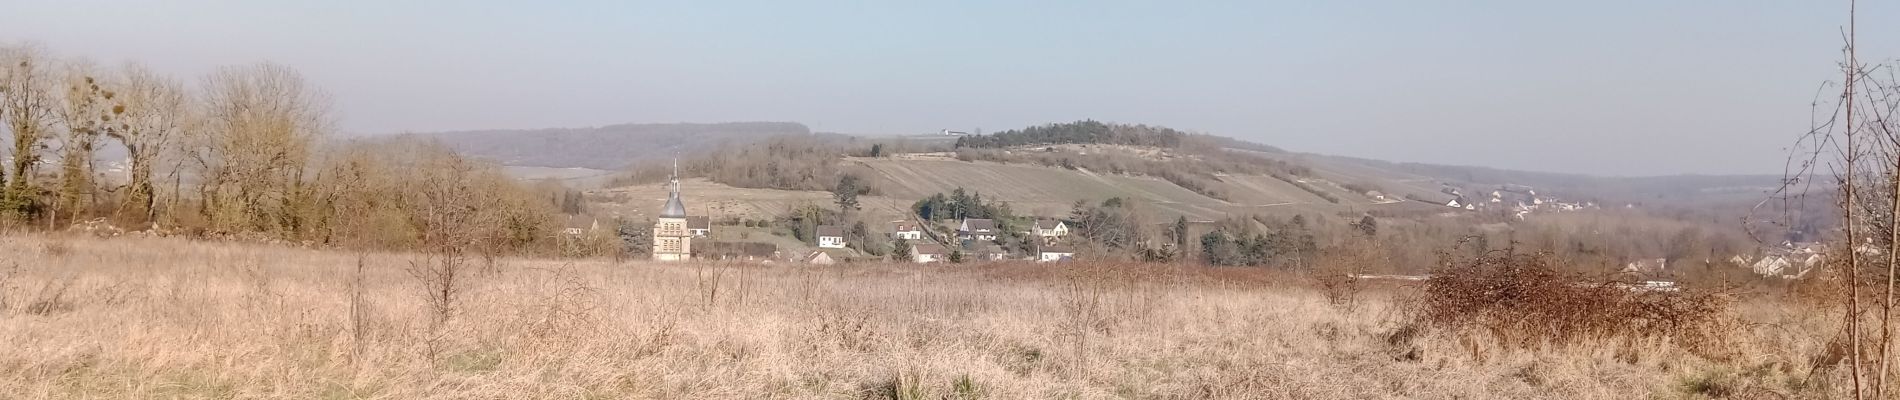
582	225
677	236
1786	261
1518	200
981	233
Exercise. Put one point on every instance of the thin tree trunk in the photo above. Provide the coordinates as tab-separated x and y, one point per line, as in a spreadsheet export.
1847	210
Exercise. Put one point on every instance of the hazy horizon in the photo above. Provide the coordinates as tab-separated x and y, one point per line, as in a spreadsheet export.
1613	88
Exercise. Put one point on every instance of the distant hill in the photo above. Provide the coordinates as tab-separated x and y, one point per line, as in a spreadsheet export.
606	147
1659	190
1044	169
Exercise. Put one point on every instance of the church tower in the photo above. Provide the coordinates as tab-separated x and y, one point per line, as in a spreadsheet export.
671	240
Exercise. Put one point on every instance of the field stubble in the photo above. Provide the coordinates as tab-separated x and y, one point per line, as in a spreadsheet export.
170	318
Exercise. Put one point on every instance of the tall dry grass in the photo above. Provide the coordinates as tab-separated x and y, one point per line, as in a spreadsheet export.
170	318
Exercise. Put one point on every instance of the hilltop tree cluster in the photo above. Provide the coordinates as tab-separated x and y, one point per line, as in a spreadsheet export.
1079	132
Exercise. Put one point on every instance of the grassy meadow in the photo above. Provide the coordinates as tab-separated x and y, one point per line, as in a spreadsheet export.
135	317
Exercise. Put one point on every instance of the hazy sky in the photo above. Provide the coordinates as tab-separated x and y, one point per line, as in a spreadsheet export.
1605	87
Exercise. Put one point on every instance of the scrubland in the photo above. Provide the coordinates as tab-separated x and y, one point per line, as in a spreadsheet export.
135	317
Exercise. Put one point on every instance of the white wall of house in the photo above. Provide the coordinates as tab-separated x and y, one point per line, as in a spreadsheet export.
925	258
1058	231
1049	256
831	242
908	235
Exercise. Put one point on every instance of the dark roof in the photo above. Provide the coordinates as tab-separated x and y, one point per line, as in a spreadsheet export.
1047	223
979	224
903	226
928	248
754	249
700	222
1054	249
674	208
830	230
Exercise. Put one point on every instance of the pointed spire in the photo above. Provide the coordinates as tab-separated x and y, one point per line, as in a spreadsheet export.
674	208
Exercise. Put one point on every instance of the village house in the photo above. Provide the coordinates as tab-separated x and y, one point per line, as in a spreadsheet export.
580	225
1646	266
736	251
830	236
700	226
977	229
819	258
1050	230
906	230
923	253
989	252
1054	254
1786	265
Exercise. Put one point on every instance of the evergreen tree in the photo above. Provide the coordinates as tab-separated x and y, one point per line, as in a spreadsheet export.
900	249
1368	226
1180	233
846	193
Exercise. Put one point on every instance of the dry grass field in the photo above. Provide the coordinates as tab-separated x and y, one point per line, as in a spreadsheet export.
171	318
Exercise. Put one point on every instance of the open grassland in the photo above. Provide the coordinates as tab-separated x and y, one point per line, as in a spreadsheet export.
170	318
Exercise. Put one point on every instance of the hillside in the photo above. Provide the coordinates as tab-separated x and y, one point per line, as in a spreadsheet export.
606	147
743	170
1655	190
1030	190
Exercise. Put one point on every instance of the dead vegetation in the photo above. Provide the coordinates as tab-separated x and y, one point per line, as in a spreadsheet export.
193	319
1522	300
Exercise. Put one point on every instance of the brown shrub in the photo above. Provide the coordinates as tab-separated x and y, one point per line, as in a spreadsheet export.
1523	301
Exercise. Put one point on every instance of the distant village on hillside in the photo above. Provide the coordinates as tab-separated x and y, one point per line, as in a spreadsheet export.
678	236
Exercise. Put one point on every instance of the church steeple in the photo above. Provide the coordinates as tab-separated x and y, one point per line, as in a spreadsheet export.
674	208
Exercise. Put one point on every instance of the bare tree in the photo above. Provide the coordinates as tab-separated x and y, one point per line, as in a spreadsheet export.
1859	133
87	111
260	124
26	85
154	114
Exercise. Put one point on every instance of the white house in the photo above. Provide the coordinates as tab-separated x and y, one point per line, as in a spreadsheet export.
1789	265
830	236
1050	229
923	253
580	225
906	230
1454	204
977	228
1653	265
1053	254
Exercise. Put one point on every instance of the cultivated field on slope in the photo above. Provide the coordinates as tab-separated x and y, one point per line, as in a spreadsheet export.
719	201
571	177
1048	191
1340	171
172	318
